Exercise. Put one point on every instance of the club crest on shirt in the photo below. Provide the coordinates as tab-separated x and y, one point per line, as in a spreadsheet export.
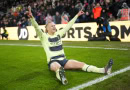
55	40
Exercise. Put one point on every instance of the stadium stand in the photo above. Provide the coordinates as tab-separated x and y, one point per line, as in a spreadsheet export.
13	12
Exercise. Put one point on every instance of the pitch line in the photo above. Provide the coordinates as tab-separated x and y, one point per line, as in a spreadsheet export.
67	46
92	82
96	47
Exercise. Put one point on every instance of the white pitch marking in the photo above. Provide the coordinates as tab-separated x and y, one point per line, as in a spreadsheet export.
96	47
92	82
22	45
67	46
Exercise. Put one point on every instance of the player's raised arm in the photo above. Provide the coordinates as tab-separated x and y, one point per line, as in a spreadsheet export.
34	23
69	25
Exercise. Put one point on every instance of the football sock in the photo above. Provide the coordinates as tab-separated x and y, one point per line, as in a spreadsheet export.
91	68
57	74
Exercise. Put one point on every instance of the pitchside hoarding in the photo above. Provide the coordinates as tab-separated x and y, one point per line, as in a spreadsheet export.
79	32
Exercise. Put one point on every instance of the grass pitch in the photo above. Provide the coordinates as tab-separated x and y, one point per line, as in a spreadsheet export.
25	67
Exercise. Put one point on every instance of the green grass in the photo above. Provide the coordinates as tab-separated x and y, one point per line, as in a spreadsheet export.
25	68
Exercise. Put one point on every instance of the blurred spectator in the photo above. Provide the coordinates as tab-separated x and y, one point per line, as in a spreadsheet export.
57	8
49	2
48	18
29	22
57	18
85	5
42	19
67	7
97	1
97	11
14	23
64	18
116	5
24	22
87	17
91	2
4	34
50	10
124	13
79	5
72	11
19	23
92	18
2	24
111	18
60	7
104	13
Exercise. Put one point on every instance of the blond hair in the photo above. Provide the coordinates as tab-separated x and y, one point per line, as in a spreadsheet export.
49	21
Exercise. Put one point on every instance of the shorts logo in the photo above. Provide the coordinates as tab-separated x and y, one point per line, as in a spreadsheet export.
23	33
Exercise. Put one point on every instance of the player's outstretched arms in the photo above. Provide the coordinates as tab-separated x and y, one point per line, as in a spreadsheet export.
69	25
34	23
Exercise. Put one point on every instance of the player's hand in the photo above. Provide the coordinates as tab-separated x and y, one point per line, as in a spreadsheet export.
80	12
29	13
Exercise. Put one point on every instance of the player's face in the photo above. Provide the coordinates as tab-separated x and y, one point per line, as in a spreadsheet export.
51	28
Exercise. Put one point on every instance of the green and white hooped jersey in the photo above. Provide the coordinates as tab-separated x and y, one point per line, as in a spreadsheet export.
52	44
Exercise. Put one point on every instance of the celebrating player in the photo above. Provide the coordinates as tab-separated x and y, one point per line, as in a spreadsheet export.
52	44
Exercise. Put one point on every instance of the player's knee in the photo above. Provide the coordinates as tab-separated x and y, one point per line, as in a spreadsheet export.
54	66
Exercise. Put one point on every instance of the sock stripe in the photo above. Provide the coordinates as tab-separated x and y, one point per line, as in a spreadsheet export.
88	67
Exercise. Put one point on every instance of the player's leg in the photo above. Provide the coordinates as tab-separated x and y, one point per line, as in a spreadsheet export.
73	64
54	66
7	36
59	70
2	36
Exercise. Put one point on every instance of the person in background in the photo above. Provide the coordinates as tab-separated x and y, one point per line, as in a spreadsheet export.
79	5
124	13
97	11
111	17
57	18
48	18
72	11
64	18
4	34
87	17
85	4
